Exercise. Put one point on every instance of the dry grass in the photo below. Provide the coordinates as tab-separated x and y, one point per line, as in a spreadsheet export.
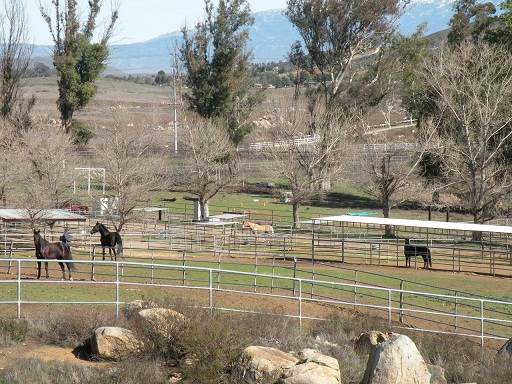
200	350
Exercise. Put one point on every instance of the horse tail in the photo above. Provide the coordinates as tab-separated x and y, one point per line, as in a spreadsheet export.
119	240
67	250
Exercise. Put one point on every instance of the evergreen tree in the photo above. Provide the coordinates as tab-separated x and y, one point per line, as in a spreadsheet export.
77	59
217	63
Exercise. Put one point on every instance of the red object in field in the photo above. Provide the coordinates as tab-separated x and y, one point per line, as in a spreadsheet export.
75	207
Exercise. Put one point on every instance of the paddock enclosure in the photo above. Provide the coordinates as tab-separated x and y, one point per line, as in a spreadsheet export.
302	273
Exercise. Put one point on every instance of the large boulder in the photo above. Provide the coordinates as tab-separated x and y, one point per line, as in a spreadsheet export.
396	361
114	343
261	365
313	368
506	350
366	341
163	320
436	374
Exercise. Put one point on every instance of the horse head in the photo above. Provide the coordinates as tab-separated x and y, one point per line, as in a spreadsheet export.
97	228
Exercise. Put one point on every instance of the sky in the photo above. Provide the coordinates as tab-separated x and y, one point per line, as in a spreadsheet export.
139	20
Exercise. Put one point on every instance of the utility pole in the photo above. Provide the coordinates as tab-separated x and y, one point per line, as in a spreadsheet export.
175	102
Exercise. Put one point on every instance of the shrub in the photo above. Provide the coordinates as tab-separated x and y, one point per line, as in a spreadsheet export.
209	343
69	328
12	331
82	133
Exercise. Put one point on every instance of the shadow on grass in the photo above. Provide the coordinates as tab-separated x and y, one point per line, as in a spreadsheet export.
344	200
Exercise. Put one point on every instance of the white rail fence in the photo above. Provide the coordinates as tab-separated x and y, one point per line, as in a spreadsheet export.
478	318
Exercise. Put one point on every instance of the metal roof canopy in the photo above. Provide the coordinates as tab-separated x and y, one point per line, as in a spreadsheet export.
415	223
226	216
15	214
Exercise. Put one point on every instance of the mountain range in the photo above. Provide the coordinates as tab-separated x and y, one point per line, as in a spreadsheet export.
271	38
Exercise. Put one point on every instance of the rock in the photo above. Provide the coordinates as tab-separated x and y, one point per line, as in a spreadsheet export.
114	343
314	368
163	320
261	365
365	341
506	350
396	361
436	374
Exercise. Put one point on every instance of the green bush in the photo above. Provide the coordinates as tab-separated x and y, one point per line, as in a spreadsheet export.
82	133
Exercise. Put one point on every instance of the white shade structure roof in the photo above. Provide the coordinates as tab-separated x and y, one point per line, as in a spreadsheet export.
16	214
414	223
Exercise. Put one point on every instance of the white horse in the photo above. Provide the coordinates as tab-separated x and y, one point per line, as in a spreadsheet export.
259	229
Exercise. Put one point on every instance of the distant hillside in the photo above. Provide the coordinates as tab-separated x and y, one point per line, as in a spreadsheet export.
271	38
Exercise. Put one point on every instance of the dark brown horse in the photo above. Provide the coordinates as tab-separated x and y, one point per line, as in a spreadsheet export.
411	250
108	240
52	251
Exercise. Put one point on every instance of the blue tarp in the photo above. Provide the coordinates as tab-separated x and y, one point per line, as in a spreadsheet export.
362	213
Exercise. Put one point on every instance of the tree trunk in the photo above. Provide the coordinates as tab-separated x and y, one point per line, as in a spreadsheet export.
204	210
295	209
389	231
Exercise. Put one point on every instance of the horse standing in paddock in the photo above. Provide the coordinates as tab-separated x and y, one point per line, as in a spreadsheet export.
258	229
417	250
48	251
108	240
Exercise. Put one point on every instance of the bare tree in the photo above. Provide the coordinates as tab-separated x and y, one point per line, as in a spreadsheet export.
383	170
15	54
470	90
9	158
210	163
47	156
305	161
124	151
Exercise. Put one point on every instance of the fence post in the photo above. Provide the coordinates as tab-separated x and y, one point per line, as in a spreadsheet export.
355	289
300	303
255	271
117	290
294	273
482	324
152	265
93	264
10	258
183	271
210	299
19	290
401	316
389	306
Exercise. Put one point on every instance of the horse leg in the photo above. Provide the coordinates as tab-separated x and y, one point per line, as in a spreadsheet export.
69	271
61	264
103	253
46	269
38	270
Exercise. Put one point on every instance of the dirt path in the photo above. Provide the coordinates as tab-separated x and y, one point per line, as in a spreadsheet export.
32	348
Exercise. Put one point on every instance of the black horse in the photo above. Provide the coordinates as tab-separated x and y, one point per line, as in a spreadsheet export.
48	251
417	250
108	240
